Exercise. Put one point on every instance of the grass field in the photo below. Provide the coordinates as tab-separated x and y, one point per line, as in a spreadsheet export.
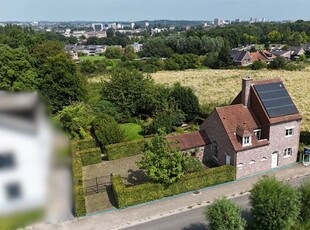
221	86
92	58
133	131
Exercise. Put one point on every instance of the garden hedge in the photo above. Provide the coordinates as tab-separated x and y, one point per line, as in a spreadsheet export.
131	195
85	144
91	156
126	149
79	196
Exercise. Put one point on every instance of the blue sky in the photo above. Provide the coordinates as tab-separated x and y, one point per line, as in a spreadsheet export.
132	10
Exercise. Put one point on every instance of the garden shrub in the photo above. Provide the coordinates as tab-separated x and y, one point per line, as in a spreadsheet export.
90	156
107	130
131	195
192	164
126	149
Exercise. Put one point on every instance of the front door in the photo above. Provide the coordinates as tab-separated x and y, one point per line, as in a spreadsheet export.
274	159
227	160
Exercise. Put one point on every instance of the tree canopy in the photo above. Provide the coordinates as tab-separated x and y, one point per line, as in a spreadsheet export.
224	215
162	163
274	205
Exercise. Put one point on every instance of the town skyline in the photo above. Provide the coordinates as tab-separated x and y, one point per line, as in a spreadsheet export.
137	10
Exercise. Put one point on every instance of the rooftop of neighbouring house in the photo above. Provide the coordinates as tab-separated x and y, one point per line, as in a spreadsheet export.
189	140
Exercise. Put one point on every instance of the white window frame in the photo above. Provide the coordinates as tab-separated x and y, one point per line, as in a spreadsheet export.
258	133
263	159
289	131
252	162
246	141
240	165
288	152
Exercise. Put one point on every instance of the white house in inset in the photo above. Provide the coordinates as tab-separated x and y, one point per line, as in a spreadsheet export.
25	151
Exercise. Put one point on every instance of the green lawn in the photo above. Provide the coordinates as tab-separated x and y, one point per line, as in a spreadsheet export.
92	58
133	131
20	220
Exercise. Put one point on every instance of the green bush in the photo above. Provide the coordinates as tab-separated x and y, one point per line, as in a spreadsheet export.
90	156
223	214
192	164
127	196
126	149
258	65
107	130
305	201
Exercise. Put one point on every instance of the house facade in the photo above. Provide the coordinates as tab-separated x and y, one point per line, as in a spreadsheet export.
25	151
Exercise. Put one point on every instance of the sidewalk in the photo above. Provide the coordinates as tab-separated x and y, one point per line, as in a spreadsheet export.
118	219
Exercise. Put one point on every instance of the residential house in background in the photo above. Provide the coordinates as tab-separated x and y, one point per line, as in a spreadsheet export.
282	53
296	51
262	55
241	58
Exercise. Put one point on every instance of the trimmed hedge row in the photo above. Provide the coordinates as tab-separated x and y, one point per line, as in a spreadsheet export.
126	149
79	196
127	196
86	144
90	156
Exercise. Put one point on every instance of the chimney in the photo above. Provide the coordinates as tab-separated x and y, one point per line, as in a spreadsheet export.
246	86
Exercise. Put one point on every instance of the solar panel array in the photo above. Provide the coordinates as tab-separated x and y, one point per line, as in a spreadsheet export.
276	99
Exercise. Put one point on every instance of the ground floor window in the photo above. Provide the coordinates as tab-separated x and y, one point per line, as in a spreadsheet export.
288	152
13	191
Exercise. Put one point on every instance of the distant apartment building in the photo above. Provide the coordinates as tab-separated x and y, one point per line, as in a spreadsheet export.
218	22
97	34
97	26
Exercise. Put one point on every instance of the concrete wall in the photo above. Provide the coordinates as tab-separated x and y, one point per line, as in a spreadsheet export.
278	142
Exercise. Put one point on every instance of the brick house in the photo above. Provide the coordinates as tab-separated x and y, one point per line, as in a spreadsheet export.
241	58
257	132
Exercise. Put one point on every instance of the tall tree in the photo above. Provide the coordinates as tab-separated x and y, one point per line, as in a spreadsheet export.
129	90
61	84
185	100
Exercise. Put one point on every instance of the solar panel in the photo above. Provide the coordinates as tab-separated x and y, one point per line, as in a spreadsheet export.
276	99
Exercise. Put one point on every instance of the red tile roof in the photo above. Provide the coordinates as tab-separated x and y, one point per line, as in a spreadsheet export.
239	121
189	140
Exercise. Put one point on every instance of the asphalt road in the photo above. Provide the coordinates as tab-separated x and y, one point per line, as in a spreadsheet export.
194	220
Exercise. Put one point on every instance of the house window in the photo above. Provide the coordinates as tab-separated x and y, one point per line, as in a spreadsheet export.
263	159
252	162
240	165
288	152
7	161
258	133
13	191
246	141
288	132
